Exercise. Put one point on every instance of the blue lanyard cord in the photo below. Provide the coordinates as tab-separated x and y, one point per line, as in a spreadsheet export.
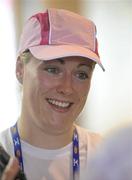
76	161
18	150
17	145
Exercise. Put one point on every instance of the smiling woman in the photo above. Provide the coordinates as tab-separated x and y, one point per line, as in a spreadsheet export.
7	67
54	66
64	84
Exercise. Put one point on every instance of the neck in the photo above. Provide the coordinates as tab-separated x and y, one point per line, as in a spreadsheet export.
41	138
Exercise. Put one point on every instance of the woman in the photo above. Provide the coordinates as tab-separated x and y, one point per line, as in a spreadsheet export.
57	56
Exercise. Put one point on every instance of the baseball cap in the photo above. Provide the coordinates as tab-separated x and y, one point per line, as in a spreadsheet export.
59	33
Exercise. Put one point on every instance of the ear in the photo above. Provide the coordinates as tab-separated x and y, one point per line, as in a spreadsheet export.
19	70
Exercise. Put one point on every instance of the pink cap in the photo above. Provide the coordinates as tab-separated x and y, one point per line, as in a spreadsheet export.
59	33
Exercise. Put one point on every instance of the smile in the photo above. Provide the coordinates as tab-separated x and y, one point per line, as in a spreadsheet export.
60	104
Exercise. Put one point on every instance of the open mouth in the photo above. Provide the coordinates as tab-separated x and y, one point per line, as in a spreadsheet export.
59	104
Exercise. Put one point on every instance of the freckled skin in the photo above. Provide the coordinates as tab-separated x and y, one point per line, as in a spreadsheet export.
64	84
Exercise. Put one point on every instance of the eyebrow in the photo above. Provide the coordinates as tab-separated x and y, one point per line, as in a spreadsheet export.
87	65
60	60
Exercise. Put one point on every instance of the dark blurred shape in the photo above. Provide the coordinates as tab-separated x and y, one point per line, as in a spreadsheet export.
4	159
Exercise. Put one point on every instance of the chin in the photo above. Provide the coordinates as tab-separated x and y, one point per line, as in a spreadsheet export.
61	125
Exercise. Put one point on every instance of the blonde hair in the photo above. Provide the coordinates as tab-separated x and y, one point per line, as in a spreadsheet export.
25	56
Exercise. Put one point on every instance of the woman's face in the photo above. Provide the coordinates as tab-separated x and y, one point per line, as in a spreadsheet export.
55	91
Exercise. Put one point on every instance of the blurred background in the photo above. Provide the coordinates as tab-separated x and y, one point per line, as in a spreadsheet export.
110	100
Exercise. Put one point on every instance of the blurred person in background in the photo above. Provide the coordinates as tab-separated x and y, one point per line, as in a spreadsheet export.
113	158
57	56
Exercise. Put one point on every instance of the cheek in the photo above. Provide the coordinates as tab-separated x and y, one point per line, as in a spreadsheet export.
46	82
82	94
83	90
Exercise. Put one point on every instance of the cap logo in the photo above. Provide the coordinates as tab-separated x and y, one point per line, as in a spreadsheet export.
44	23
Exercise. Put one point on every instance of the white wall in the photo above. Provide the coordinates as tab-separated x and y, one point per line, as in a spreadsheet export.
110	100
8	89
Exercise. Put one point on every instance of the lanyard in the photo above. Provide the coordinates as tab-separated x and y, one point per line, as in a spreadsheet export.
75	158
18	150
17	145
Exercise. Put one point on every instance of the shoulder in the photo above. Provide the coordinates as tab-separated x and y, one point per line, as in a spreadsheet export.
116	148
88	138
6	141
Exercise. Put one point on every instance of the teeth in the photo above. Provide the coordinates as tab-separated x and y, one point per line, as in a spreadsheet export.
58	103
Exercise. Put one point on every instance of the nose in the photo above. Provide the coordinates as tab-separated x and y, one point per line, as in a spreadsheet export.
65	86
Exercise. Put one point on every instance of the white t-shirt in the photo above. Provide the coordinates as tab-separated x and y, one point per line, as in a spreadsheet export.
43	164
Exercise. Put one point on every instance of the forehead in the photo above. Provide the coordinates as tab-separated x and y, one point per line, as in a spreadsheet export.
71	60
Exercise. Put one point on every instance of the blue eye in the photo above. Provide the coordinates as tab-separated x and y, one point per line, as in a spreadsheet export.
82	75
52	70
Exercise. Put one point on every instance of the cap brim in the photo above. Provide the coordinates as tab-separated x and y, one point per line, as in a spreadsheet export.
49	52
